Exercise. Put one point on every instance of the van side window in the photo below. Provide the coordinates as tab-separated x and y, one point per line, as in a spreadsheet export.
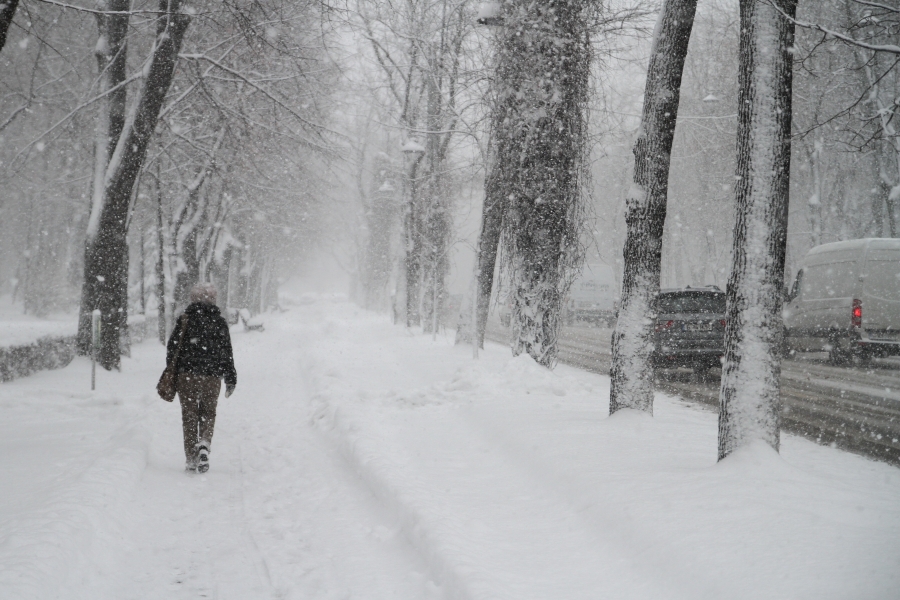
831	280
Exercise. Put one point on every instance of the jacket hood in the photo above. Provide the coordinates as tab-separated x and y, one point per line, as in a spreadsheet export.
202	308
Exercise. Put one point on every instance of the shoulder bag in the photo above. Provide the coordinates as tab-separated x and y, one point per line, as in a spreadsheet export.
166	386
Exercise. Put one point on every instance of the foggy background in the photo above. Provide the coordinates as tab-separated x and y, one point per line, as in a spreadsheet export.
309	176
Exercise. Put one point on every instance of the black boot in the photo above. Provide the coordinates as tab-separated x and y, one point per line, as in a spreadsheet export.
202	459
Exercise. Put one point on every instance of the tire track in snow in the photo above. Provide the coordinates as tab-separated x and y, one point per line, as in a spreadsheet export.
334	428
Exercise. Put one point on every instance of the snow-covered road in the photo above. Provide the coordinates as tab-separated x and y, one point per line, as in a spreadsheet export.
358	461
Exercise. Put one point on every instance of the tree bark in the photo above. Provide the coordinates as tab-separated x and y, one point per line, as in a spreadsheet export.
117	37
162	329
413	253
7	12
437	222
750	397
632	344
106	266
111	54
542	75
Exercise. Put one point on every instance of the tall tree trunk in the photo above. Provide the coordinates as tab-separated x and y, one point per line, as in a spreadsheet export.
7	12
632	343
162	328
431	201
413	252
495	203
106	265
542	75
111	54
117	39
143	274
750	397
437	220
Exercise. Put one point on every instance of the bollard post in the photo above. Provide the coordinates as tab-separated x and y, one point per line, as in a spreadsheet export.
95	345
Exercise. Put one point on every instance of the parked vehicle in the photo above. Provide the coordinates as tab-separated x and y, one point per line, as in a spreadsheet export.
592	296
690	328
845	299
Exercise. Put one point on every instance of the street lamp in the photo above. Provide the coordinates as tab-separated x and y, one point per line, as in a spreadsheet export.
489	14
412	147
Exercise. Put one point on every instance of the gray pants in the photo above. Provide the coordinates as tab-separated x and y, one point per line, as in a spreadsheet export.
198	395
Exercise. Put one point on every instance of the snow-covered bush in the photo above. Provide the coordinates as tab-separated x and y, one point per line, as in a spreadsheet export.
46	353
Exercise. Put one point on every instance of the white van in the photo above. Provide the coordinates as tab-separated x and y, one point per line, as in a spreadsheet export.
845	299
592	296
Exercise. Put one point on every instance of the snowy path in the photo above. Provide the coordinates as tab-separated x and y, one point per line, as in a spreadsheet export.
357	461
279	515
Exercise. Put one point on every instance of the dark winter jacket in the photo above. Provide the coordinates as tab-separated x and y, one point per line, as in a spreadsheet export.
207	343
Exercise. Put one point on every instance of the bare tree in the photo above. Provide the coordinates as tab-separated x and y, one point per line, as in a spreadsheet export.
111	53
632	370
254	68
750	398
106	266
192	215
421	50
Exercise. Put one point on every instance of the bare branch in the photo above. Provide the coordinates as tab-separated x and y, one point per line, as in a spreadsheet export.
889	48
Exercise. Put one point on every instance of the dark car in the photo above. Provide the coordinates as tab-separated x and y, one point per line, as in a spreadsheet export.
690	328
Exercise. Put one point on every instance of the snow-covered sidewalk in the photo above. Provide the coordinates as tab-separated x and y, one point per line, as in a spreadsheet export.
358	461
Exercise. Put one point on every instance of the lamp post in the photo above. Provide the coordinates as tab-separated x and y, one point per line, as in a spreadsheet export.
414	150
490	15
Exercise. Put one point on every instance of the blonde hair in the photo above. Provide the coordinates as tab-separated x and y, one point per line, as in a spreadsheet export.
203	292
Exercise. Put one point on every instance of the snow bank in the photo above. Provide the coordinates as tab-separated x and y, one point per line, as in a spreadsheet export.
513	482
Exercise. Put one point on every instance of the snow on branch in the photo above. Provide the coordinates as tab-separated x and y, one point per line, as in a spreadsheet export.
261	89
878	5
96	11
889	48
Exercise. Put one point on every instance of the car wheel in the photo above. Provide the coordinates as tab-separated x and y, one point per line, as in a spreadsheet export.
837	354
862	358
701	374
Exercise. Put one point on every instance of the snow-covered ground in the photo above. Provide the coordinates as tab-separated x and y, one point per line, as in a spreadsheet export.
358	461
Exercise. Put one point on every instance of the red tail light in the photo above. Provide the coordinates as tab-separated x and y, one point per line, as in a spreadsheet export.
660	325
856	315
722	322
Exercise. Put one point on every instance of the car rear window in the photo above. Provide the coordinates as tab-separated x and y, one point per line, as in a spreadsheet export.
691	302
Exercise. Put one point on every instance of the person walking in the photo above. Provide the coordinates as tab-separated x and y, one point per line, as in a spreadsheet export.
204	359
